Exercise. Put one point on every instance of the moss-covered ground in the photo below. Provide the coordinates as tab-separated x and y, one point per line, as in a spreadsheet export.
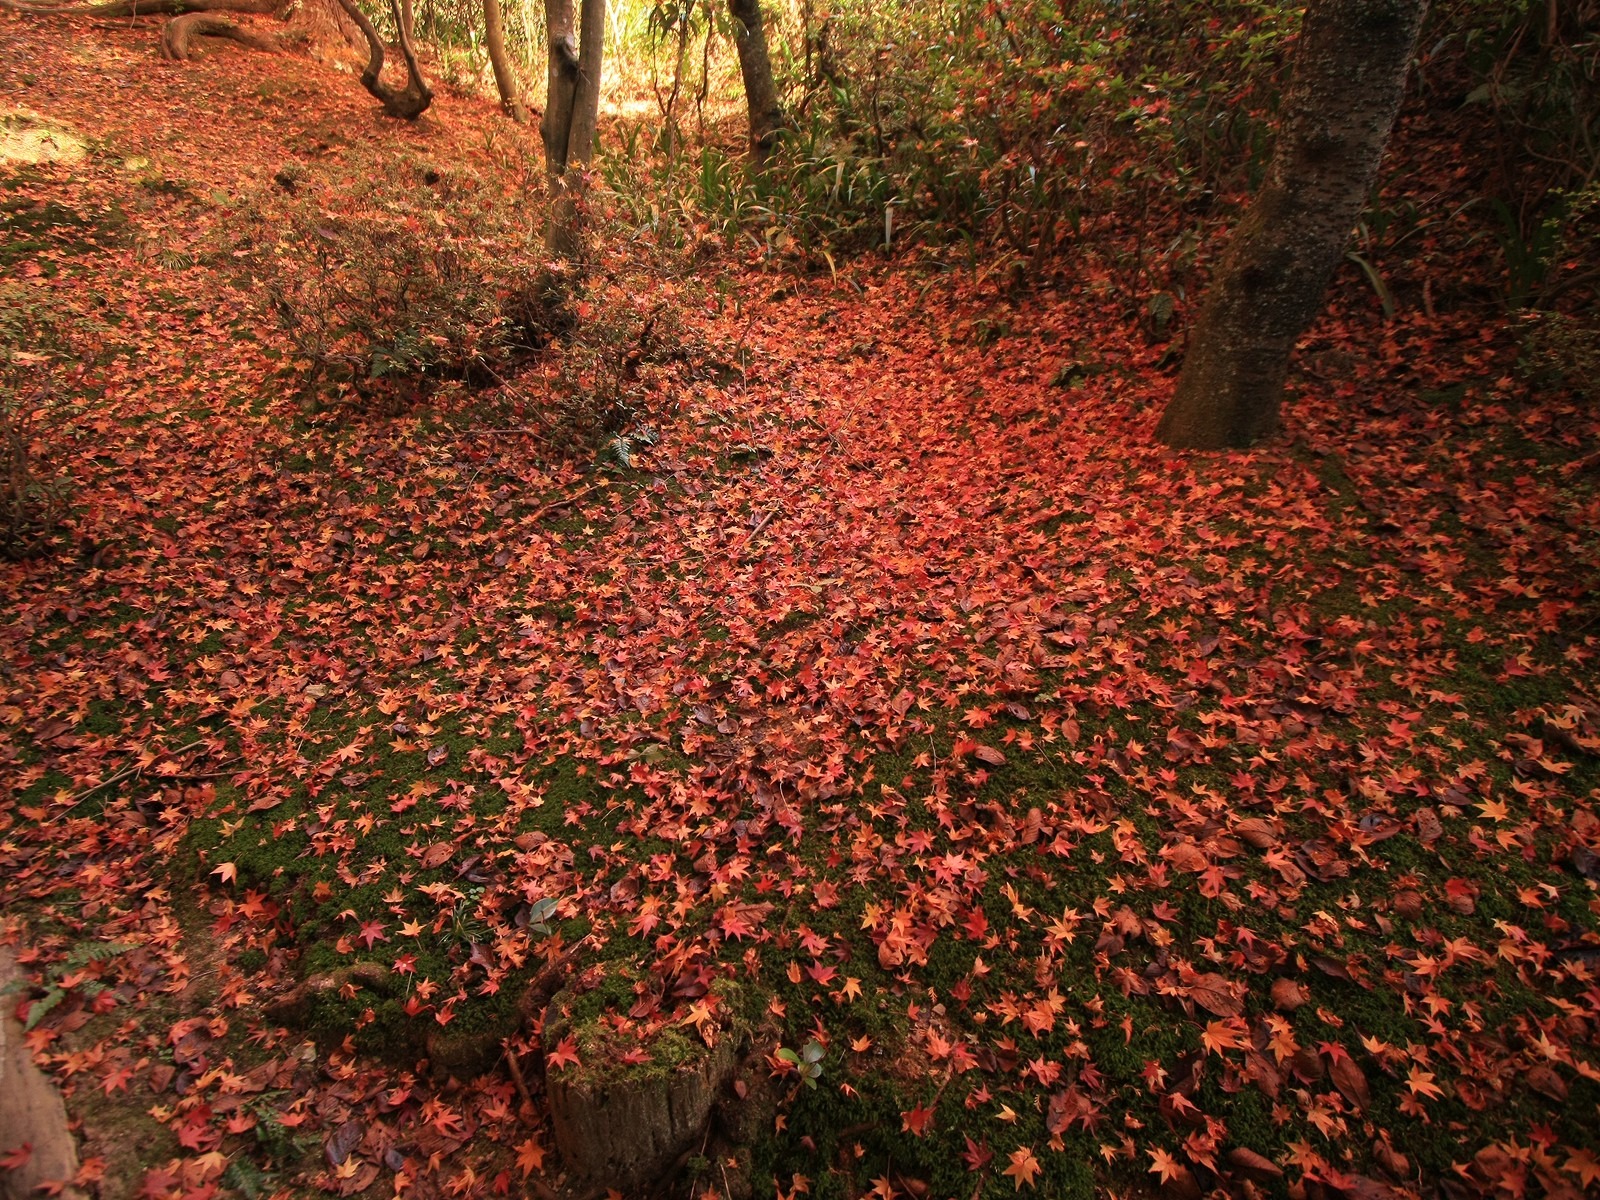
1083	818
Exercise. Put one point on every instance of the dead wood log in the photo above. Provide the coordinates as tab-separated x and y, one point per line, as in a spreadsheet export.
178	34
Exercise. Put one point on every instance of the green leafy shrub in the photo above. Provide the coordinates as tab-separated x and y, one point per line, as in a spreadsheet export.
1007	127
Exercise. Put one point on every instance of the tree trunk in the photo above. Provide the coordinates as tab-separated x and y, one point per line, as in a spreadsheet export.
571	115
505	78
1349	73
755	65
407	103
561	84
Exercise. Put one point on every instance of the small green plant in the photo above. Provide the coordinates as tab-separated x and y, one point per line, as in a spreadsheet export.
78	971
620	449
807	1063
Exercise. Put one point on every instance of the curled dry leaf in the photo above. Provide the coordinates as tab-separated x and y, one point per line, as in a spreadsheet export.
437	854
1350	1080
1255	832
1217	995
990	755
1186	856
1547	1082
1254	1166
1429	828
1408	903
1320	859
1181	1184
1289	994
1391	1161
1461	895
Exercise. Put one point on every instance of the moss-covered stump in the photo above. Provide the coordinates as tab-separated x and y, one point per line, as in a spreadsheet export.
625	1125
465	1054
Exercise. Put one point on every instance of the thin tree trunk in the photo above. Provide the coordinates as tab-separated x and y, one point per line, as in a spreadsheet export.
572	115
755	65
1349	74
505	78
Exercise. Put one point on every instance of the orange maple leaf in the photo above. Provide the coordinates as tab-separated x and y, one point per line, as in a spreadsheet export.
530	1157
1024	1168
1165	1165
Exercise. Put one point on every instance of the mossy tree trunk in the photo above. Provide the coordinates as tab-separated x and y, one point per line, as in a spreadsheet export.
755	66
1349	73
571	114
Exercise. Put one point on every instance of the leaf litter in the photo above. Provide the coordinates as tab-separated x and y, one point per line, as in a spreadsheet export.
1075	811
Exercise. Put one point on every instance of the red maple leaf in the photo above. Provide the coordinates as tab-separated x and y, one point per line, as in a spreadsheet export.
564	1055
17	1157
977	1155
917	1120
158	1184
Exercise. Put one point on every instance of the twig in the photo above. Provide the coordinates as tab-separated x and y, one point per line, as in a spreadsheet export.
762	524
130	771
556	506
516	1077
744	547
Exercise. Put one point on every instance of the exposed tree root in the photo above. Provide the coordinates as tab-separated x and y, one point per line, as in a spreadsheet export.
178	34
141	8
407	103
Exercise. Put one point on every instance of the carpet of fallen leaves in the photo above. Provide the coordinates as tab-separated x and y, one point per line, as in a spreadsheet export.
1105	817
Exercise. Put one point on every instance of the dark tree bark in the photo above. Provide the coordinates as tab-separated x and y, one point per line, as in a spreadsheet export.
505	78
178	34
407	103
755	65
1349	73
571	115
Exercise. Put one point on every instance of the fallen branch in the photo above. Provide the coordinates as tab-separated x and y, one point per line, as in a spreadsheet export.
517	1078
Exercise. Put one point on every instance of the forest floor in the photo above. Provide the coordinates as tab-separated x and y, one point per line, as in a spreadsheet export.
1098	817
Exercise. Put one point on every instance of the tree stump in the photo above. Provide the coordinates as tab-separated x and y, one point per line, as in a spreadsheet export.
625	1127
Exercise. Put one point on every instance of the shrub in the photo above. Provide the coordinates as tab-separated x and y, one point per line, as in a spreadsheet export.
39	398
391	287
33	494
